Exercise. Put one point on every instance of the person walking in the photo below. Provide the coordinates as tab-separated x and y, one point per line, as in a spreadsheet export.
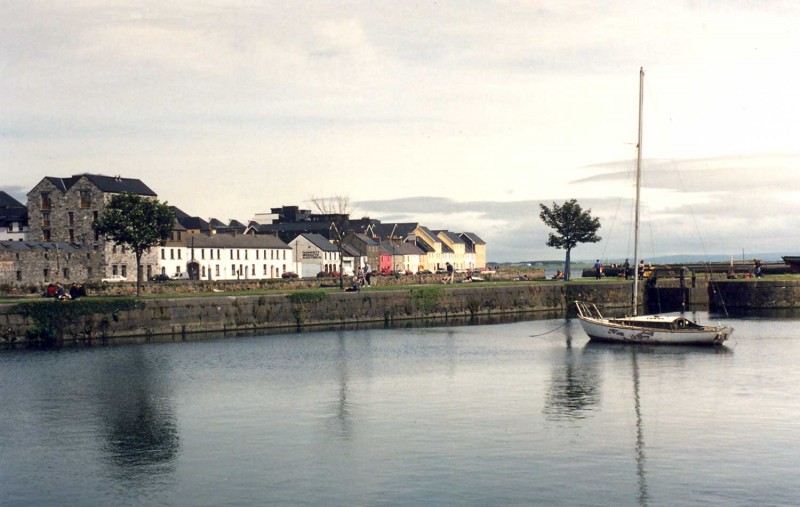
450	273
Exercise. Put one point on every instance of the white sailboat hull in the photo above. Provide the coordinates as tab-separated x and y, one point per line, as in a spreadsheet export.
607	330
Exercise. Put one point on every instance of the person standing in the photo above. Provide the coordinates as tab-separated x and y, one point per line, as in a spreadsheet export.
368	273
757	265
450	273
627	268
597	272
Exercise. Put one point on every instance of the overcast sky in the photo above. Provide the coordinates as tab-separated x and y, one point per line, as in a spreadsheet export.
461	115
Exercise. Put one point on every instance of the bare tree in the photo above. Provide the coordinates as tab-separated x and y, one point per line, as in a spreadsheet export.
336	211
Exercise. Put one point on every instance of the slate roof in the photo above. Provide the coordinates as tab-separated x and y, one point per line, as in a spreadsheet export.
39	245
452	236
6	201
11	215
472	238
189	222
109	184
320	242
395	230
230	241
408	248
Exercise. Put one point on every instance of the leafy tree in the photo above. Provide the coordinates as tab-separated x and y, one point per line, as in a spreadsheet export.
336	211
572	226
136	222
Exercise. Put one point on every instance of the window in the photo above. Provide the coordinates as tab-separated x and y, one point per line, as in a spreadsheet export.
114	270
124	270
179	253
265	270
278	272
46	202
163	254
72	235
65	272
253	269
86	199
46	273
272	254
19	276
203	271
256	254
45	219
284	258
233	269
46	234
202	253
71	218
245	255
216	270
10	228
237	255
172	253
231	254
149	271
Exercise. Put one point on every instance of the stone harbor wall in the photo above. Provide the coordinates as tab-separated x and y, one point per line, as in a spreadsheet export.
94	318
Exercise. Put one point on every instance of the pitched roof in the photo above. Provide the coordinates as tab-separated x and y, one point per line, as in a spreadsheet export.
6	201
395	230
320	242
472	238
229	241
452	236
189	222
109	184
408	248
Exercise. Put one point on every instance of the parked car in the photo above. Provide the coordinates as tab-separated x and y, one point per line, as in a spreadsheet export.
159	278
114	279
181	276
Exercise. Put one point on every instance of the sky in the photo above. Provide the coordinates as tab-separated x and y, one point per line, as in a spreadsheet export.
459	115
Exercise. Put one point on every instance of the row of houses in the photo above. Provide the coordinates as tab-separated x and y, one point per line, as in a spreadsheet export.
51	238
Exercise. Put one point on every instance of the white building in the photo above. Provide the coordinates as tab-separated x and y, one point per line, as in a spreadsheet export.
226	257
315	254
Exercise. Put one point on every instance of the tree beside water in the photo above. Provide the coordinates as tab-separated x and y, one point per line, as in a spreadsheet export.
572	226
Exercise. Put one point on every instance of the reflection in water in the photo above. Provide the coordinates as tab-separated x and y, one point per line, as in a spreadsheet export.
342	420
640	457
574	388
140	428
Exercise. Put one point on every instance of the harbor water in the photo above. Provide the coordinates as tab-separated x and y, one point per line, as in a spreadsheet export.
524	413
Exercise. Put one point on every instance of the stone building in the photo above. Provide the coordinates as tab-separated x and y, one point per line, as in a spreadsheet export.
61	210
37	264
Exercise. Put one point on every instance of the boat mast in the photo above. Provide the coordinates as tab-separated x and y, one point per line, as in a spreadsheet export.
638	189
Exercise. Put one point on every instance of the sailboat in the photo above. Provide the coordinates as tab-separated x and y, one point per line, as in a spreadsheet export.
651	329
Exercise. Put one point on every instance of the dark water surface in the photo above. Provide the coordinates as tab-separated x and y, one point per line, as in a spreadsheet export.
509	414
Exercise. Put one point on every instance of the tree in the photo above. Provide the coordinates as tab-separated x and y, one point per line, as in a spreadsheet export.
572	226
136	222
336	211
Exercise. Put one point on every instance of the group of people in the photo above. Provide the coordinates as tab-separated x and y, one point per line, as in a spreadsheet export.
57	291
362	278
450	273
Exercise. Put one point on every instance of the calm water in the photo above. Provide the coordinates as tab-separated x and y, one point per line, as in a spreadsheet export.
474	415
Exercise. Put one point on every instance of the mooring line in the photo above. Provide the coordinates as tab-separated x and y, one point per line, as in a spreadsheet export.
548	332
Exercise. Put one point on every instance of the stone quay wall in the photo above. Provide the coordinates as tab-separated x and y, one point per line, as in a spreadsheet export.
756	293
179	316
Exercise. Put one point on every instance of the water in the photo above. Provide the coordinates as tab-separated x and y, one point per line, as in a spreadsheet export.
509	414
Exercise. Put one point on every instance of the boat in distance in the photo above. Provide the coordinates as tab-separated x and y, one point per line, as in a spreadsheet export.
648	329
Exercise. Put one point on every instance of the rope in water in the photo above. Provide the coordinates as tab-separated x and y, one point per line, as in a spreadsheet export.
548	332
